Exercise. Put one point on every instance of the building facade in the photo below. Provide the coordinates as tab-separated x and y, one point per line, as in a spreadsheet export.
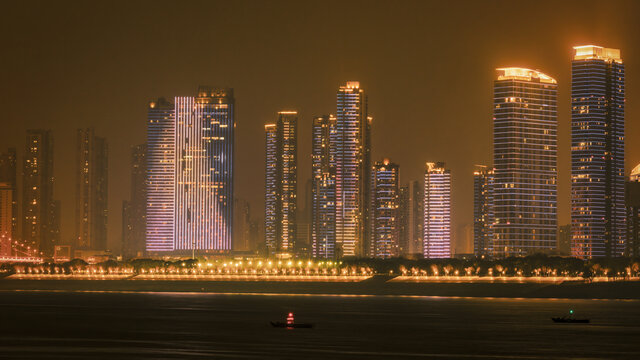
91	211
404	206
384	211
39	226
525	162
204	137
416	217
160	212
597	153
8	175
190	173
632	197
323	176
437	211
281	184
352	165
134	219
483	216
6	219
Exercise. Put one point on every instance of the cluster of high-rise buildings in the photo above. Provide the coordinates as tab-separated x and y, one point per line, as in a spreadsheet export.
182	178
515	201
358	207
30	223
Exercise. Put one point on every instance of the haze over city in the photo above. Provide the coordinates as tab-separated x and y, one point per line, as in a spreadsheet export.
427	69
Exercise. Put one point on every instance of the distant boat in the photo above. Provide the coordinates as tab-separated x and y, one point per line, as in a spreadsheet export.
569	319
565	319
290	324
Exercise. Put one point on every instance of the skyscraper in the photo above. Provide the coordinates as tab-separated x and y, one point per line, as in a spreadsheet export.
632	197
281	183
525	162
37	192
323	225
6	218
161	133
134	217
242	225
597	152
8	175
384	212
190	172
204	139
352	166
404	208
483	216
437	211
416	217
91	190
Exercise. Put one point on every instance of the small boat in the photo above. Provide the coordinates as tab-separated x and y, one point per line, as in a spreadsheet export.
565	319
290	324
569	319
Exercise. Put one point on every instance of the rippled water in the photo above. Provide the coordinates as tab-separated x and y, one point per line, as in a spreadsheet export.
177	325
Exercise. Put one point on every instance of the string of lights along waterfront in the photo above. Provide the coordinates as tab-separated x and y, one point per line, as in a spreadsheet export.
597	152
183	202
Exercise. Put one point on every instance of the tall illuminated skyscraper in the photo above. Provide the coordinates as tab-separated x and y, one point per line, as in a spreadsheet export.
190	173
161	132
384	210
525	162
204	134
281	183
91	190
352	165
38	206
597	152
437	211
323	225
483	216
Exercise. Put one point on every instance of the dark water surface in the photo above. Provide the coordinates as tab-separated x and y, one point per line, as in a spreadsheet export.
82	325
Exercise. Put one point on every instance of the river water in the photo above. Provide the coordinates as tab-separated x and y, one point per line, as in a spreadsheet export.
117	325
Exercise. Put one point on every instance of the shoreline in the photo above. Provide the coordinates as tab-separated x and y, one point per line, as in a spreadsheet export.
376	286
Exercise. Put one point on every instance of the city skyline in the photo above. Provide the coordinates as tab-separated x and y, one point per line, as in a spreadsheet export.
414	118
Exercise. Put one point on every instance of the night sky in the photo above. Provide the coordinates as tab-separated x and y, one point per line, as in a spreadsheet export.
427	68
